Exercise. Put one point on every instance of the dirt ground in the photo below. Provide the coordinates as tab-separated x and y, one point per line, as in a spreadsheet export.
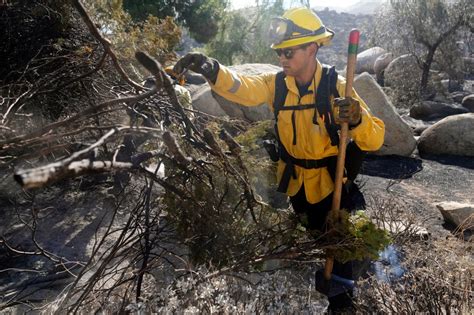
420	184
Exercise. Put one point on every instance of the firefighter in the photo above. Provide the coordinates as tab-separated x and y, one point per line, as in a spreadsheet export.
309	104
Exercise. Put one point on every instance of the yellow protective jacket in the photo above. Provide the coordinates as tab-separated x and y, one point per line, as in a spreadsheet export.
313	140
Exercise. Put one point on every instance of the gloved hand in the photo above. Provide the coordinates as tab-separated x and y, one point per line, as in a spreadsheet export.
198	63
347	110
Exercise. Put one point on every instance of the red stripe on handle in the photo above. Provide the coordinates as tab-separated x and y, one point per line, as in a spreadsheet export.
354	37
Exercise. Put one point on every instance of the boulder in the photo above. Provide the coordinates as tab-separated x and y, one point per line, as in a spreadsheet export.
458	96
468	86
399	138
468	102
380	64
451	85
430	110
418	126
459	214
210	102
204	101
403	72
452	135
442	97
366	59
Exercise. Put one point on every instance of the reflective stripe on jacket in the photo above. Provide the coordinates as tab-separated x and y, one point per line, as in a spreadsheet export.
312	141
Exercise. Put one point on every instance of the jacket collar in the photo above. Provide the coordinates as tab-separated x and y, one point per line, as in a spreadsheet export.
291	82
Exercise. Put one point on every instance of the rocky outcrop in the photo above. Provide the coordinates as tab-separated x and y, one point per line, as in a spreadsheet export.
430	110
402	72
399	138
204	99
460	215
458	96
450	85
380	64
417	125
367	58
452	135
468	86
468	102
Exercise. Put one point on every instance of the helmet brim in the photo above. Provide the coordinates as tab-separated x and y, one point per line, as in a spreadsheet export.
321	40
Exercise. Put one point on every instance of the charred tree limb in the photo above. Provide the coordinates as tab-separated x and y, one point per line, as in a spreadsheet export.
44	175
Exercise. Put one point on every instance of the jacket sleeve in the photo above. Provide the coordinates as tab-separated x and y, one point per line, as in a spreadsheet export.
245	90
369	135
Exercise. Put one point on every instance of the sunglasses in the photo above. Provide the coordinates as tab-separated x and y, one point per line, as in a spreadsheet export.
289	52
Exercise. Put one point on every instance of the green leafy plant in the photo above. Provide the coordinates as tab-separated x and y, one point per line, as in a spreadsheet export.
355	237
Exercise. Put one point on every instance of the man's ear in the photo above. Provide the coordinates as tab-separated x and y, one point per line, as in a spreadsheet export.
313	48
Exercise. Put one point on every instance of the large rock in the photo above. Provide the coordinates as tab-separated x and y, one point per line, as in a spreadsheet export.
403	72
429	110
399	138
468	85
380	64
366	59
205	102
468	102
417	125
451	85
212	103
253	113
452	135
459	214
458	96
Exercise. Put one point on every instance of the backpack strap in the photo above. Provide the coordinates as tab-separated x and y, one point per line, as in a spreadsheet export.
327	88
281	91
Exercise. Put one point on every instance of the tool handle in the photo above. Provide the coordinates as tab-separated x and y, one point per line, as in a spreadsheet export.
351	60
341	156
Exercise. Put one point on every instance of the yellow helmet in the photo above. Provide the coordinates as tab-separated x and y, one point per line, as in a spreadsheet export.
299	26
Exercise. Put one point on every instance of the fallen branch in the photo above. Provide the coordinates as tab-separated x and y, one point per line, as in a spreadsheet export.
44	175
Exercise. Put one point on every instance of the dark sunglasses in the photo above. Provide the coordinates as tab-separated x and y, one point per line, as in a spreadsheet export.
289	52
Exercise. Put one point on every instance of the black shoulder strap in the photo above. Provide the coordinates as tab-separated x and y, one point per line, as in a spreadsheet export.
327	88
281	91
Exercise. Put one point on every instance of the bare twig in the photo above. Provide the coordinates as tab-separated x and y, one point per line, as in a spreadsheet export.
105	43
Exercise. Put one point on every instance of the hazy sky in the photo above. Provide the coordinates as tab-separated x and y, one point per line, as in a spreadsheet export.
236	4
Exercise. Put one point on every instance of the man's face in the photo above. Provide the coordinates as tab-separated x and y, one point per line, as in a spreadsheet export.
295	60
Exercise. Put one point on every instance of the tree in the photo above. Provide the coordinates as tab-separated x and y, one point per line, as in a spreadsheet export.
420	28
201	17
157	36
251	43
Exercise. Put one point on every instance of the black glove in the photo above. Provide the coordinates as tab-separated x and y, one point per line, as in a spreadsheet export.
198	63
347	110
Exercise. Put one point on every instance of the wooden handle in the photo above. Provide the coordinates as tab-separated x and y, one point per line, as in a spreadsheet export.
341	156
